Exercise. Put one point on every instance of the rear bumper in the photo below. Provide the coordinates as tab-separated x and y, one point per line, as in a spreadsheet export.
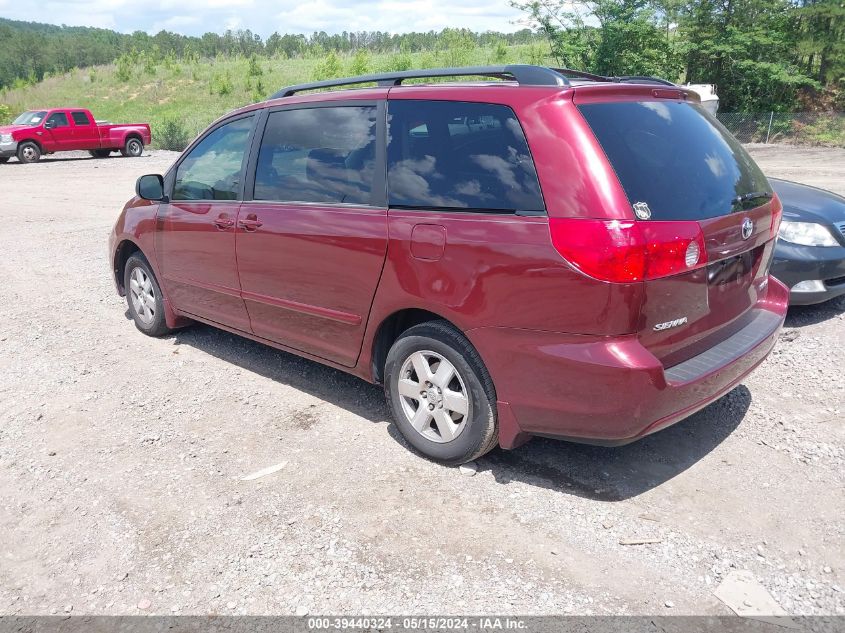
612	390
793	264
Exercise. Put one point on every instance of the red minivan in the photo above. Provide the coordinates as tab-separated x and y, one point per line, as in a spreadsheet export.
546	252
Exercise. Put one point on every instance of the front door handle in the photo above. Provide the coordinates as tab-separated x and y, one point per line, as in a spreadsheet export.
250	222
224	222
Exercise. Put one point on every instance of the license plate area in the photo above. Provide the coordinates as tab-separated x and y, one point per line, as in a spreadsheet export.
736	270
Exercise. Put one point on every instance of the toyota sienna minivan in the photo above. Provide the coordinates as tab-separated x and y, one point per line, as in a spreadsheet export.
542	252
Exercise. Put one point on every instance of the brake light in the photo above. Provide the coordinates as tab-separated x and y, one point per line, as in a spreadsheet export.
777	214
623	251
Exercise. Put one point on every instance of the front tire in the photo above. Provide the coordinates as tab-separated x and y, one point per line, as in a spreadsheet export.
29	152
133	148
440	393
143	296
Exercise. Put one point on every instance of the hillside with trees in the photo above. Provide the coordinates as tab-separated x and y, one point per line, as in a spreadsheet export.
764	55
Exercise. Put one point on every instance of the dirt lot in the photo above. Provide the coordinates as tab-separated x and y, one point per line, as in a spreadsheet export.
121	460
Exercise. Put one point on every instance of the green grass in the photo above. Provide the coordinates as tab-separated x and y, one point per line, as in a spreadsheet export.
196	93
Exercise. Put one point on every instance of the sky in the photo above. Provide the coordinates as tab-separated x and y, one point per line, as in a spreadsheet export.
195	17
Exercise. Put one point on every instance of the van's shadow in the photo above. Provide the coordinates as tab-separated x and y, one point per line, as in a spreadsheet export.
622	472
606	474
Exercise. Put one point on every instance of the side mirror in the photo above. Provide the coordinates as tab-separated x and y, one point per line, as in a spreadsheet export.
49	125
151	187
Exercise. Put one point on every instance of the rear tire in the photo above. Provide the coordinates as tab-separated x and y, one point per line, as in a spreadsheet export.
29	152
133	147
440	393
100	153
143	296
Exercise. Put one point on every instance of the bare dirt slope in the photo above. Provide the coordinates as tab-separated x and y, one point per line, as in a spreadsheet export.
121	460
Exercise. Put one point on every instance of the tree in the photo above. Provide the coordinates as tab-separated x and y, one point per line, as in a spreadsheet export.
360	63
747	48
562	24
608	37
329	68
821	39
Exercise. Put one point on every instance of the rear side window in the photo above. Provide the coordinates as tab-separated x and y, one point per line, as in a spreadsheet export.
58	119
674	157
80	118
324	155
212	169
456	155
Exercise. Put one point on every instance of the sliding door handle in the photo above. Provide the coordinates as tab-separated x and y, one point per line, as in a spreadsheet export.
250	222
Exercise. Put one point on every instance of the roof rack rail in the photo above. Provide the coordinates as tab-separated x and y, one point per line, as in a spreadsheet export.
523	74
643	79
581	74
624	79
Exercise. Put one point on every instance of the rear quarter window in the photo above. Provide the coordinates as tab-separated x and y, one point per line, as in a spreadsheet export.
675	157
458	155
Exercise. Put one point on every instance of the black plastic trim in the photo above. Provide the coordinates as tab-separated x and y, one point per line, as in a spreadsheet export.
523	74
763	325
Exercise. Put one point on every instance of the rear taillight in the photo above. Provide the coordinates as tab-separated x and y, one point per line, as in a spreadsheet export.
777	214
624	251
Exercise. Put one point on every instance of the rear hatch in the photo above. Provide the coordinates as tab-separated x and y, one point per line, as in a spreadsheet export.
695	189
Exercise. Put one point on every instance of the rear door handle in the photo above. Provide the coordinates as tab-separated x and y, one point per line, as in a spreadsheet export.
250	222
223	222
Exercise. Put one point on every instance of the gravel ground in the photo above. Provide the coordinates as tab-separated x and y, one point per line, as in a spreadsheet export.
122	458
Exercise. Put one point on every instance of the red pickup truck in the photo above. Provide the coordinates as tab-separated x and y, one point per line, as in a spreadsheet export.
38	132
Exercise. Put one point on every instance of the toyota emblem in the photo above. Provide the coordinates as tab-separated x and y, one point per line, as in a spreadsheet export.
747	228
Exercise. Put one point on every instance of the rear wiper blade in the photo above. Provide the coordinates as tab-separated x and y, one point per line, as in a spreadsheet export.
753	195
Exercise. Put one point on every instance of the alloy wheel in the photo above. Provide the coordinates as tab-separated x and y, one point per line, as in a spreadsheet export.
434	396
142	295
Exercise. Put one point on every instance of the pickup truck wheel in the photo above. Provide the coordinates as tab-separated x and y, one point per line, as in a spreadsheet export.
441	395
100	153
29	152
143	296
134	148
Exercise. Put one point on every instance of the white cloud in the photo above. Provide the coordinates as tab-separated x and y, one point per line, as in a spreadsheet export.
194	17
394	16
233	23
176	23
203	5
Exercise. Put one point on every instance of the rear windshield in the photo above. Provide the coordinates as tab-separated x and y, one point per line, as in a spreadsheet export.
676	158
